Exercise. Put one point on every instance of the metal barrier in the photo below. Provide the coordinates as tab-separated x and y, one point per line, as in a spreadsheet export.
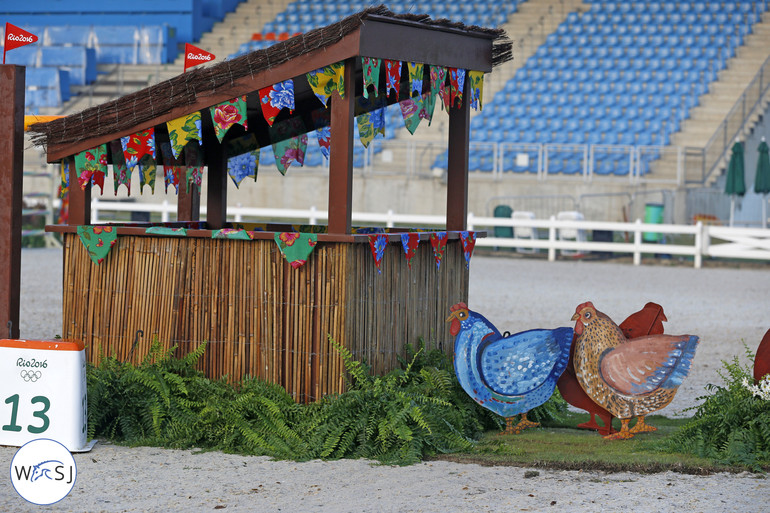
696	240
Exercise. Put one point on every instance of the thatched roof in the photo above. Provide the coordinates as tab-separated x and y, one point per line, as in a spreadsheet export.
169	98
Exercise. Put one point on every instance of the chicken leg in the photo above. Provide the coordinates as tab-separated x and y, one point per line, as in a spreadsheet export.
511	429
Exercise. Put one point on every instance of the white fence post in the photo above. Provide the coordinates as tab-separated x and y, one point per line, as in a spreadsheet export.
470	221
552	240
164	214
699	250
94	210
638	242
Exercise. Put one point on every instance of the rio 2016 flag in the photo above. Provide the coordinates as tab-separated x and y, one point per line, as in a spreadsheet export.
16	37
194	56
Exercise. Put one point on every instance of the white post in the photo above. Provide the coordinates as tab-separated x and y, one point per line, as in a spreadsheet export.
732	209
313	218
389	218
552	240
94	210
470	221
638	242
164	213
698	259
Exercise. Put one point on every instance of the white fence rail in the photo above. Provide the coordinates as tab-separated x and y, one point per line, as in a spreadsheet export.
565	236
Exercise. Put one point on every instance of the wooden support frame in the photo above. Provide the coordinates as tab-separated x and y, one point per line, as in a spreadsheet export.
457	164
341	156
11	177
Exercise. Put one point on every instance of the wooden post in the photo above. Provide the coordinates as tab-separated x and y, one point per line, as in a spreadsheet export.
80	199
341	154
188	204
457	164
216	192
11	177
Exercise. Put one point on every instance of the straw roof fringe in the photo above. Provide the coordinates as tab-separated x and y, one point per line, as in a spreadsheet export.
143	106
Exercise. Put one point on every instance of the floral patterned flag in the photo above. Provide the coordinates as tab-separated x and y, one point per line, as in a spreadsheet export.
193	175
90	163
392	76
137	146
410	241
276	97
468	240
438	84
98	240
415	77
64	188
243	166
289	151
184	129
413	110
476	88
377	243
231	233
147	171
296	247
371	70
456	84
322	121
166	230
121	174
370	123
228	113
438	241
324	81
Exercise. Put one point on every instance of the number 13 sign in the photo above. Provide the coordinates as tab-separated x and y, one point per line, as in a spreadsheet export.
43	392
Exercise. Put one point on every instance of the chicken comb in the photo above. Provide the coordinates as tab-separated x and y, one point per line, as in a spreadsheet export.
584	305
458	306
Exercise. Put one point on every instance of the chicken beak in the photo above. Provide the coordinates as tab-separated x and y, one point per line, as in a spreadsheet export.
575	317
451	316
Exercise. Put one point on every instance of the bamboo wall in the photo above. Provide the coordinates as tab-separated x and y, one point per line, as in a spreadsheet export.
259	316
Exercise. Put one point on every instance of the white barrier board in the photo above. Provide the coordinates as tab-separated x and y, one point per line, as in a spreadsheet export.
43	392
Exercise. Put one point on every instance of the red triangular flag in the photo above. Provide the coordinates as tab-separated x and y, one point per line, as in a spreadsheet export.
16	37
194	56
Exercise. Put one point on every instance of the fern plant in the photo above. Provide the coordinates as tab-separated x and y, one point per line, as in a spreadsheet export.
731	425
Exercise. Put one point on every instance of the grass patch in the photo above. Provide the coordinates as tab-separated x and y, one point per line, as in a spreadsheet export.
560	445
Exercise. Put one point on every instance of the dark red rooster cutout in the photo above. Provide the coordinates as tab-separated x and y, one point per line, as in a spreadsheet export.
647	321
762	359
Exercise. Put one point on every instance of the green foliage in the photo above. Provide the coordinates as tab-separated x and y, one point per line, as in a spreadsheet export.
731	426
398	418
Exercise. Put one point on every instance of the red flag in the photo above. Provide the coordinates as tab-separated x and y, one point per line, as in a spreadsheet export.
16	37
194	56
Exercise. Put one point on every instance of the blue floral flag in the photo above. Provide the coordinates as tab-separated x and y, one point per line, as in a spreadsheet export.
468	240
321	121
276	97
243	158
377	243
370	120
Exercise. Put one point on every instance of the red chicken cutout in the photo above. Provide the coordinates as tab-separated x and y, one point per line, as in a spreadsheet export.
762	359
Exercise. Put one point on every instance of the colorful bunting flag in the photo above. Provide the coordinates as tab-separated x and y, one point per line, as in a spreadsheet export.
468	240
377	244
227	114
476	88
438	84
167	231
231	233
413	111
90	162
324	81
98	240
276	97
371	121
371	71
456	85
121	174
410	241
137	146
392	76
182	130
415	77
243	166
194	166
64	188
438	241
147	172
296	247
289	151
322	122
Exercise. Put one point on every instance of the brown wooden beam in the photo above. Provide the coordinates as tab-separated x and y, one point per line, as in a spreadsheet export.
457	165
80	199
188	203
11	187
216	192
341	154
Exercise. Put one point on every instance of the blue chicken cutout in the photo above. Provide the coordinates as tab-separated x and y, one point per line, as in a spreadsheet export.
508	375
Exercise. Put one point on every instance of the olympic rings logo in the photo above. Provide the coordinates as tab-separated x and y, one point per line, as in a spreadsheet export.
29	375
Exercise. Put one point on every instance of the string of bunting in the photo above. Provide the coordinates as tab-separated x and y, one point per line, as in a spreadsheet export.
139	150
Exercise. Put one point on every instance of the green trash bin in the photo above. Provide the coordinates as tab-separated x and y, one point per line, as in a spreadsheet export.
653	214
506	212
